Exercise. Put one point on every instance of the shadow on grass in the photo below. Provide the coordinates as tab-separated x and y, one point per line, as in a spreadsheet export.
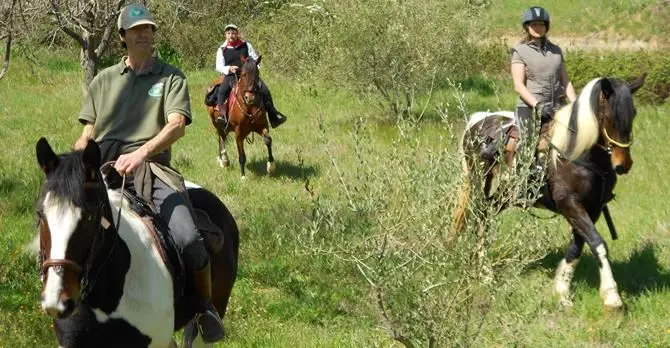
640	273
282	169
8	185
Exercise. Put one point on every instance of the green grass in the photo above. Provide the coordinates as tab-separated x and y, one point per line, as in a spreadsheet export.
285	296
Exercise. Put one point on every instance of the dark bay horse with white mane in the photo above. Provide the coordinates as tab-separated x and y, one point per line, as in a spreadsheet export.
590	145
105	280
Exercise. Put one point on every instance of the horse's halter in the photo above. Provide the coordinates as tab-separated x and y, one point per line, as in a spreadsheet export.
611	143
90	216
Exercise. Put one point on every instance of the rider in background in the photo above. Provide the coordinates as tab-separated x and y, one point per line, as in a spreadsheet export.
540	79
135	110
229	62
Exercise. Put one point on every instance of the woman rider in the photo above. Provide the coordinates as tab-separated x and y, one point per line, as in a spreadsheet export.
229	62
540	79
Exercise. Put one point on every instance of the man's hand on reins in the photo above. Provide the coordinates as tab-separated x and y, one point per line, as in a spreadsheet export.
128	163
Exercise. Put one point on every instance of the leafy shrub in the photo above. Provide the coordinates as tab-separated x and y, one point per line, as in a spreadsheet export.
583	66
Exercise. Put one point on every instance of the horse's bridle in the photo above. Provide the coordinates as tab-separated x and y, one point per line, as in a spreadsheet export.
609	142
61	265
238	104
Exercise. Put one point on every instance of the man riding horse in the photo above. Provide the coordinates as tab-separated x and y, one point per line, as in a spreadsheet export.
135	110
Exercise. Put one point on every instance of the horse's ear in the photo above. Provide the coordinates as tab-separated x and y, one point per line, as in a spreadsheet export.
46	157
258	61
91	159
606	87
244	59
635	85
112	178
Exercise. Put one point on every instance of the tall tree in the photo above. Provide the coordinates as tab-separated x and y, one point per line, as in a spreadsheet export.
92	24
7	33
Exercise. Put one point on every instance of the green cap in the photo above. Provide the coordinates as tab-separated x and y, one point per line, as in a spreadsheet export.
134	15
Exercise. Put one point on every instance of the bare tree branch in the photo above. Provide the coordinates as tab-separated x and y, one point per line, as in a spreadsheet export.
109	29
55	5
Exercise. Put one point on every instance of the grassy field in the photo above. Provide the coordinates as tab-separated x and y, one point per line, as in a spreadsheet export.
284	295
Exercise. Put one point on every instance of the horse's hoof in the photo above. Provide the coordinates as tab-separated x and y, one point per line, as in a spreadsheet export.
243	178
566	301
223	162
611	299
271	168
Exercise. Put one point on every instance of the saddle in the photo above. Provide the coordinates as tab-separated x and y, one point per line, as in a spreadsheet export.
212	90
158	228
493	126
211	94
160	233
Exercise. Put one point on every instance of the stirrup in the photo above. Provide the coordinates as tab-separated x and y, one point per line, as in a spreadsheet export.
209	325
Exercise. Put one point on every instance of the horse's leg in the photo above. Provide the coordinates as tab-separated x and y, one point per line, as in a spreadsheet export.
190	334
566	269
580	220
223	154
199	343
268	143
240	152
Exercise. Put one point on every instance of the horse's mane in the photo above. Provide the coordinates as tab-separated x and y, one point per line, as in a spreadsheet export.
575	128
66	181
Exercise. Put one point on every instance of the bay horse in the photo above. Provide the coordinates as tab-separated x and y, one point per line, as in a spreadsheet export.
104	280
246	114
590	145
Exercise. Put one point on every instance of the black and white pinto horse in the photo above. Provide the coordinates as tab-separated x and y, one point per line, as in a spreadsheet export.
105	282
590	145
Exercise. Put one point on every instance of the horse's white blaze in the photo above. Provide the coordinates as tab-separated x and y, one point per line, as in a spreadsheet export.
587	126
62	218
608	287
147	300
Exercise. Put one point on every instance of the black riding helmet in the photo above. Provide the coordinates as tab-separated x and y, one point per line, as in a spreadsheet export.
535	13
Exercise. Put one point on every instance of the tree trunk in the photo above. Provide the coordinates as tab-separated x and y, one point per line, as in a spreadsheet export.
89	60
8	50
89	66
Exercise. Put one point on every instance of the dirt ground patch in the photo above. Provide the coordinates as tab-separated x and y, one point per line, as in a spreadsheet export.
603	41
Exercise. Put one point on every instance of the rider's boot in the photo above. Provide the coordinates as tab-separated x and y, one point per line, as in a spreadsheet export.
208	321
543	146
510	153
276	118
222	119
